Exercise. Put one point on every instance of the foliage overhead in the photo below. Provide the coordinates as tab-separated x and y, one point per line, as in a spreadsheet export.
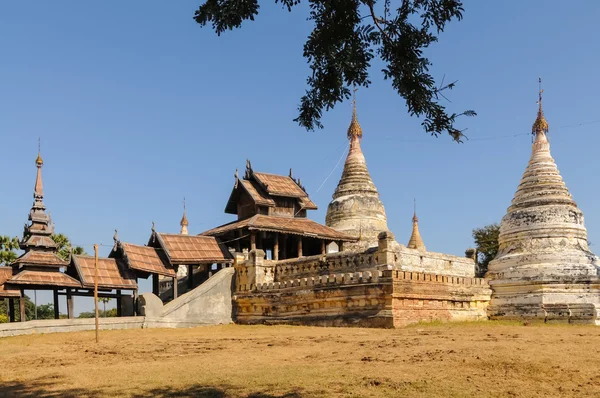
65	246
8	246
486	242
347	36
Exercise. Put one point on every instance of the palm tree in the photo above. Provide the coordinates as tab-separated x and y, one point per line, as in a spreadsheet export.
104	300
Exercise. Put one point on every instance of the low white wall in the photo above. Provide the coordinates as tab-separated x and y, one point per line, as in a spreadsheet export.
69	325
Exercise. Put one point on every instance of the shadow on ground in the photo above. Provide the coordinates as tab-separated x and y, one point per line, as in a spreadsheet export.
50	389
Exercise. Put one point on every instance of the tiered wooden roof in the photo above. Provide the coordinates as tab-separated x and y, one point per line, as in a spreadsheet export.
265	188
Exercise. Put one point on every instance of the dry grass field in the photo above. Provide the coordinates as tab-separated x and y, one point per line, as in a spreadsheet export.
438	360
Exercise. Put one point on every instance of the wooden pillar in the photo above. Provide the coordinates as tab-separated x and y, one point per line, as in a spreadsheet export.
260	242
119	309
135	299
11	309
155	285
285	245
341	245
70	312
238	234
56	311
276	247
22	306
323	247
190	277
175	281
252	240
299	246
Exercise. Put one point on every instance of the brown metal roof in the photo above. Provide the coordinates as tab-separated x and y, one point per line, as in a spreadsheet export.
193	249
7	291
110	276
41	259
43	278
147	259
279	185
296	226
258	195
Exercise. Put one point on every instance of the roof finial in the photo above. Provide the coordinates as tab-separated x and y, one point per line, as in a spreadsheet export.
38	192
540	124
116	240
415	218
354	130
39	162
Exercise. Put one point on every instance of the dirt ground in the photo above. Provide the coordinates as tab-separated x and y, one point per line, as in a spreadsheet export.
437	360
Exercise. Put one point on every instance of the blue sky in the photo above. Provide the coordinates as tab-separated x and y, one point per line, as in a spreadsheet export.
138	106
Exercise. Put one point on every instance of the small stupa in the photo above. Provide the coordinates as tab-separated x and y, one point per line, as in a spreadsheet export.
544	267
356	208
415	241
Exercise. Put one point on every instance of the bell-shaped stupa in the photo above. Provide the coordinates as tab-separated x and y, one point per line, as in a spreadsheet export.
356	208
544	268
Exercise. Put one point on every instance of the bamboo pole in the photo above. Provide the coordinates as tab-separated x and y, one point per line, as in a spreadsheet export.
96	287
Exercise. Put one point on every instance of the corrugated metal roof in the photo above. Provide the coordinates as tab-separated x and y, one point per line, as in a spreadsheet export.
297	226
7	291
40	278
109	274
193	249
41	259
147	259
279	185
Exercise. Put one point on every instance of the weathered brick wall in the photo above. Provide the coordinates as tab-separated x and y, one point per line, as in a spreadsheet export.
419	297
351	299
387	298
434	263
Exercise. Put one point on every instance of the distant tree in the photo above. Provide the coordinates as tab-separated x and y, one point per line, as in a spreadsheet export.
64	246
8	247
346	36
3	318
29	309
486	242
86	314
45	311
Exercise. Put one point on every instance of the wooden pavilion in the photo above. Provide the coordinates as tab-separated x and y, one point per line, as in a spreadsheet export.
40	267
272	216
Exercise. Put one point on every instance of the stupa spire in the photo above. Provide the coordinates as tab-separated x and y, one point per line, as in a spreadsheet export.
354	130
415	241
540	125
356	208
184	221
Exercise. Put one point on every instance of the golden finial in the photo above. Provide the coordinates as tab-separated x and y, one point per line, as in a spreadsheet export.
39	160
540	124
354	130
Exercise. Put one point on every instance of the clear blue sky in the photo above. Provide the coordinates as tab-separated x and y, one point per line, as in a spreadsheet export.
138	106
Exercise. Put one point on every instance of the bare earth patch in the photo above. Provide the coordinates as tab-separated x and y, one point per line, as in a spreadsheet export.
439	360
